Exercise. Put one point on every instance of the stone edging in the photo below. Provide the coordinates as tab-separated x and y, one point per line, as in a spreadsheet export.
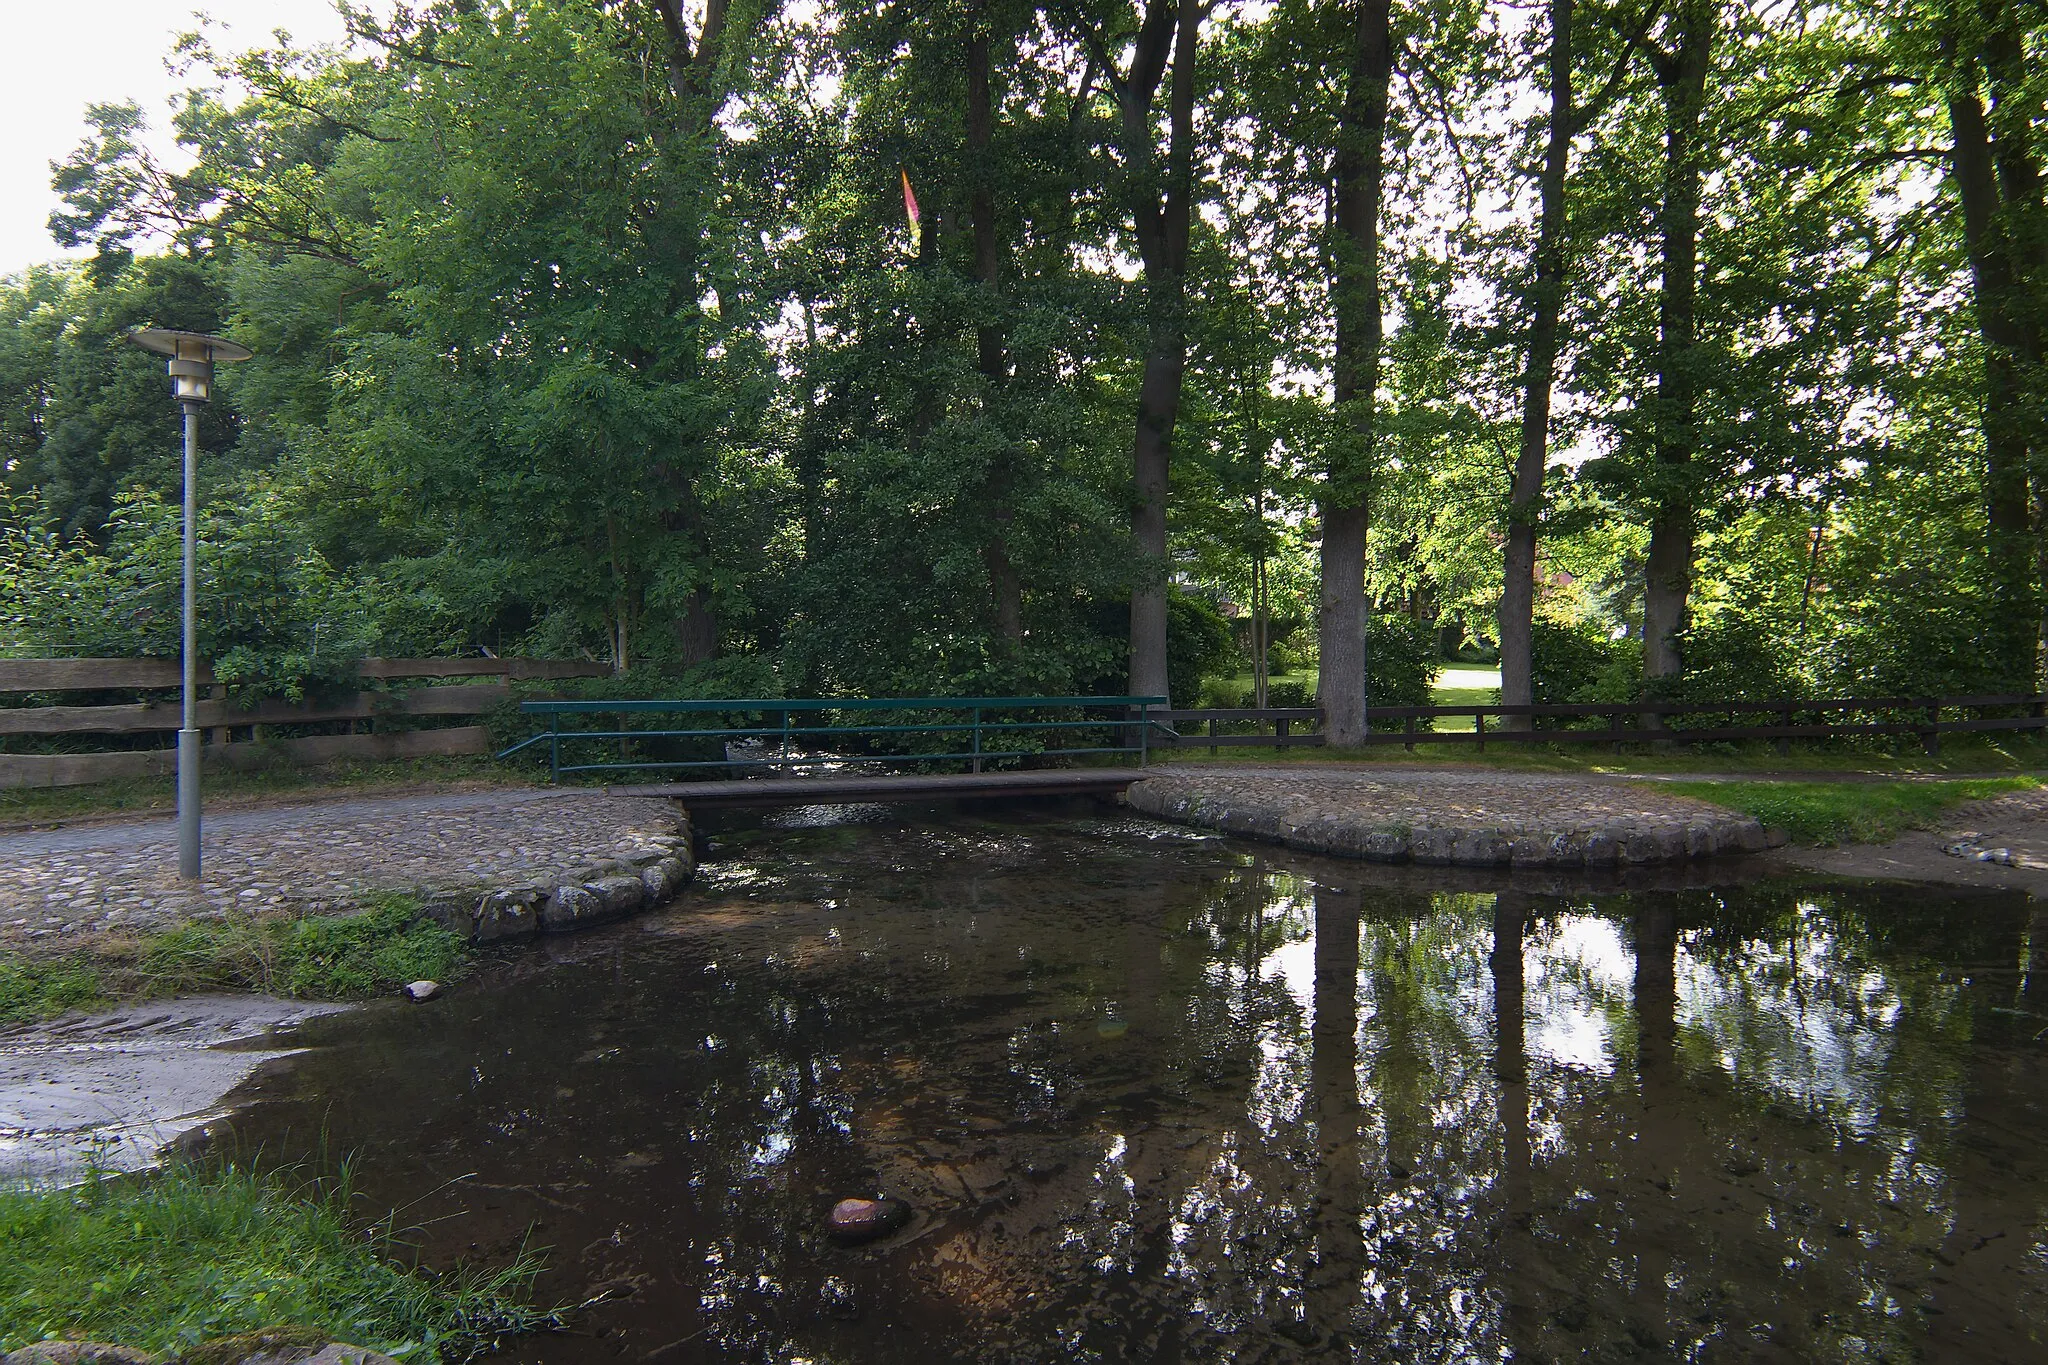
1347	832
650	877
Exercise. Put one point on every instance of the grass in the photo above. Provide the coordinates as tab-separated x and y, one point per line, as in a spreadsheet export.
327	957
1967	755
166	1261
226	790
1829	813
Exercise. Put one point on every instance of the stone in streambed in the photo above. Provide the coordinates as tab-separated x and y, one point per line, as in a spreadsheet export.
853	1221
77	1353
419	992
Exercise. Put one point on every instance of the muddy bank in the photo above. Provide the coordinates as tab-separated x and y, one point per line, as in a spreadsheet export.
2009	832
111	1090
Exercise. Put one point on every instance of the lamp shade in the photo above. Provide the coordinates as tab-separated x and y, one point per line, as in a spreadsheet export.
193	356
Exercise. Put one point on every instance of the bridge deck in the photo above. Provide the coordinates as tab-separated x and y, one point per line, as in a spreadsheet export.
829	791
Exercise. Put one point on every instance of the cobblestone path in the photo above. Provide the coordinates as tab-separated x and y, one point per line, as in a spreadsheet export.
1475	818
58	883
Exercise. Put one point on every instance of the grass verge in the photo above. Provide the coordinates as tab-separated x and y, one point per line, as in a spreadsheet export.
165	1261
1829	813
1961	755
325	957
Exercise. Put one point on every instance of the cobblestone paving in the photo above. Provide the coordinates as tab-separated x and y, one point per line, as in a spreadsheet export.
1436	816
56	884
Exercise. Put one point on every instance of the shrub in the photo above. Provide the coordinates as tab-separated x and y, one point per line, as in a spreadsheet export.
1400	661
1572	664
1199	643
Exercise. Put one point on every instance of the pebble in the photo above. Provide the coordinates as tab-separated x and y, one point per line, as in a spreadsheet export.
421	991
854	1221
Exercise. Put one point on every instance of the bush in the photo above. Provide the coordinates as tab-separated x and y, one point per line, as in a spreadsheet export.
1570	664
1199	643
1400	662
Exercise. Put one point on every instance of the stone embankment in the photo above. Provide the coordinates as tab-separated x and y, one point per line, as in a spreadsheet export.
494	865
1445	818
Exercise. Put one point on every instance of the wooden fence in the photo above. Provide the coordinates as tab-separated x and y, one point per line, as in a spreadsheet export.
1927	718
234	735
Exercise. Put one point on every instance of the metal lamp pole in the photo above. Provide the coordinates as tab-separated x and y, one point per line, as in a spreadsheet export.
192	358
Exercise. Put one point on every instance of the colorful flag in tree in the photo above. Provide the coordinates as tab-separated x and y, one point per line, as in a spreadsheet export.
909	204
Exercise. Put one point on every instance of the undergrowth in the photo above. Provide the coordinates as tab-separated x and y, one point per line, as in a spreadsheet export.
164	1261
1829	813
324	957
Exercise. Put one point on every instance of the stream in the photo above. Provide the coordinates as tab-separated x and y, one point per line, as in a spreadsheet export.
1160	1096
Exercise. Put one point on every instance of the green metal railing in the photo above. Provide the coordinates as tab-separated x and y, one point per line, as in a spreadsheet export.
972	721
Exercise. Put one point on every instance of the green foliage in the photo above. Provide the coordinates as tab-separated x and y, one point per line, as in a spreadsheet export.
32	989
165	1261
579	341
324	957
1199	643
1573	664
1829	813
1400	662
332	957
274	617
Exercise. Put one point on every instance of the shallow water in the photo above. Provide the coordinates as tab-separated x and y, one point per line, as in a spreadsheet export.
1165	1097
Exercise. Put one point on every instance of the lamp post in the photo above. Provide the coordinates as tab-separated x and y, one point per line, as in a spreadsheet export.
192	358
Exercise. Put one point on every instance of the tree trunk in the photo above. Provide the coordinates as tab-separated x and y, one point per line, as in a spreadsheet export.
2006	419
1333	1083
1005	586
1162	201
1511	1075
1668	576
1358	173
1539	375
697	630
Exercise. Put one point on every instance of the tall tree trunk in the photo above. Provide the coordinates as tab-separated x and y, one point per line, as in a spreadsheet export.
693	67
1358	175
2016	111
1005	586
2006	420
1539	375
1682	73
1161	205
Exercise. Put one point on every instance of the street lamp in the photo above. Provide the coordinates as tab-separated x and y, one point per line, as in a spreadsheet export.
193	356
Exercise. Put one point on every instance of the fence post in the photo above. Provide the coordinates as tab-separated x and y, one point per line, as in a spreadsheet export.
554	748
1281	725
1215	728
1409	730
1145	734
1614	727
977	739
782	757
1785	741
1931	741
1479	728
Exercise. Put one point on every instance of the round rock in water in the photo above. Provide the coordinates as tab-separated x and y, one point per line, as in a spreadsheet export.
420	991
863	1220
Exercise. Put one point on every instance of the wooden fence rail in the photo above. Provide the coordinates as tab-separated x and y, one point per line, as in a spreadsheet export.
231	739
1927	718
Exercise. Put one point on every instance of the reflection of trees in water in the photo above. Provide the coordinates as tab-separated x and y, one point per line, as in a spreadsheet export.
1211	1107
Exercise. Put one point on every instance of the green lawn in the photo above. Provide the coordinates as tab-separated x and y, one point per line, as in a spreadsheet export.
165	1261
1829	813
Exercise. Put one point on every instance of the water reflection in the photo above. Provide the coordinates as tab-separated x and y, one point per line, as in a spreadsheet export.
1163	1097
